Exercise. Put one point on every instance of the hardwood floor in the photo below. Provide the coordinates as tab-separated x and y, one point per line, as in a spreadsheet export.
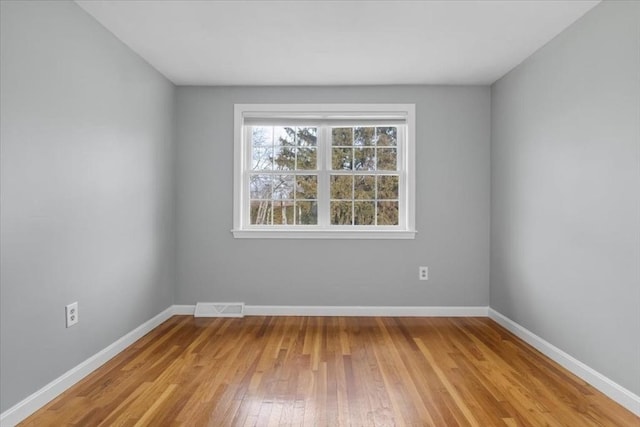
331	371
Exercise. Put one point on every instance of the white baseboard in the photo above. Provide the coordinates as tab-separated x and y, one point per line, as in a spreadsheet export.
37	400
183	310
612	389
310	310
350	311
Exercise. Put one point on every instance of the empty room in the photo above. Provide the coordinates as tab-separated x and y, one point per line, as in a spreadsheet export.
320	213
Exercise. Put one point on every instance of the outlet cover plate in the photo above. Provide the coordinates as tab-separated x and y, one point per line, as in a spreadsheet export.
71	311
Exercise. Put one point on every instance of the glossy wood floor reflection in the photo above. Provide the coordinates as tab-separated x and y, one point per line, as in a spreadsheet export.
331	371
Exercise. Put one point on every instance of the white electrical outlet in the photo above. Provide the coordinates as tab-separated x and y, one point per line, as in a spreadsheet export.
423	273
72	314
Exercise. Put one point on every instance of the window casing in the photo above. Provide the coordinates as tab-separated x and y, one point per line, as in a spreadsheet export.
324	171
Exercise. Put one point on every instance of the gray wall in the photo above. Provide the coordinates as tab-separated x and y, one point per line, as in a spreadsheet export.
565	181
452	209
86	176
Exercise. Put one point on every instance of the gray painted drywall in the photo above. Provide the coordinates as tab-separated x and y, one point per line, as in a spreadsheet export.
86	199
452	209
565	255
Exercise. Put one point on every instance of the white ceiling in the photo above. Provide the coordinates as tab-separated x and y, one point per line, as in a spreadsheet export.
335	42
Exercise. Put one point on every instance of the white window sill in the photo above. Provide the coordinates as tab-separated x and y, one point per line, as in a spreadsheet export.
323	234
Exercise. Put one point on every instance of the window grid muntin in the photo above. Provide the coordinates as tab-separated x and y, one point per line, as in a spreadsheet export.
324	169
274	174
398	172
374	146
295	199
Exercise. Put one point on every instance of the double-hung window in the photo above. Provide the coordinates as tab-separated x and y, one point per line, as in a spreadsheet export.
324	171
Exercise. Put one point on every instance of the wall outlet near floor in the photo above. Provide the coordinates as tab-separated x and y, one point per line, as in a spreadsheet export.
423	273
72	314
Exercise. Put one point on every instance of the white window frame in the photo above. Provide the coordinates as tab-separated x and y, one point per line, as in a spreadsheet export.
406	168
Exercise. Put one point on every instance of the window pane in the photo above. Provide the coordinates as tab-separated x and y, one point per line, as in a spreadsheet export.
283	212
283	186
284	136
387	187
284	158
387	213
342	136
341	213
262	158
261	212
306	213
307	187
341	187
284	152
307	137
387	136
364	159
341	158
260	186
364	187
364	136
364	213
307	159
261	148
387	159
261	136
